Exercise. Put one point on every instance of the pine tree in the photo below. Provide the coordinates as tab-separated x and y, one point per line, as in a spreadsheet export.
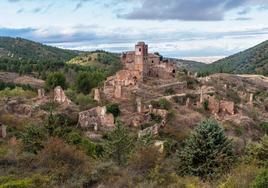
119	144
207	152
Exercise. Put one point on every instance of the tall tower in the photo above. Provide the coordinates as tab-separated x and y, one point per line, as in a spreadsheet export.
141	58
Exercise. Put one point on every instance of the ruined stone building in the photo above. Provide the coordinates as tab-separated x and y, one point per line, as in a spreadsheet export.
137	66
148	64
96	118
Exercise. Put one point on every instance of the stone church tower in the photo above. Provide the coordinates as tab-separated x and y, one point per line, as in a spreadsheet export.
141	58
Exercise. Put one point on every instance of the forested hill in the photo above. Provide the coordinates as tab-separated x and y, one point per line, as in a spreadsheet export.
22	49
250	61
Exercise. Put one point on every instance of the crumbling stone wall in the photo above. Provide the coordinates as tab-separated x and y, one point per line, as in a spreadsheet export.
96	118
3	132
41	93
60	97
153	130
216	106
17	107
227	106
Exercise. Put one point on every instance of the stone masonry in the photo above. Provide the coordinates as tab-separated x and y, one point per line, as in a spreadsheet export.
3	132
137	66
96	118
60	97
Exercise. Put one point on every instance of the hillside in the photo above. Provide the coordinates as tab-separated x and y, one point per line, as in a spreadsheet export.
250	61
193	66
99	60
22	49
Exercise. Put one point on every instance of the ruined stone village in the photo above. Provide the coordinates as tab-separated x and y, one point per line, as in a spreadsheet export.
144	78
135	127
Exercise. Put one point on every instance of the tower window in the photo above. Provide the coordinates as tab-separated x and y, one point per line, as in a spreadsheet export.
140	49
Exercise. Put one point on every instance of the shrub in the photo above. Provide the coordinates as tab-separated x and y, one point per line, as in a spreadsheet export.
169	91
32	139
258	152
241	176
261	181
84	100
145	159
119	144
264	127
55	79
65	161
113	109
162	104
205	105
17	92
207	152
74	138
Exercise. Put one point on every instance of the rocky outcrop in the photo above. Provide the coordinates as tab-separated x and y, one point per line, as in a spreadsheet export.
96	118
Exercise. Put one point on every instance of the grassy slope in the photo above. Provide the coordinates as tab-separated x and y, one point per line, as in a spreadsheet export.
250	61
22	49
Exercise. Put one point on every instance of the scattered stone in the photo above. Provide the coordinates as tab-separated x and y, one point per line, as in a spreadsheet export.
93	136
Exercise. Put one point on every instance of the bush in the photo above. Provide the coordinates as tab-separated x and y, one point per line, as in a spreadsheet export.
85	101
113	109
32	139
205	105
261	181
119	144
241	176
55	79
17	92
207	152
144	159
74	138
162	104
169	91
63	160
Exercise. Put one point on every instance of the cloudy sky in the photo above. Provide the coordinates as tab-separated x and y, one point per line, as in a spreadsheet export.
176	28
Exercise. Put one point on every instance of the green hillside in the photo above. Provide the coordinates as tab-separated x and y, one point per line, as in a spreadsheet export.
22	49
251	61
192	66
24	56
107	61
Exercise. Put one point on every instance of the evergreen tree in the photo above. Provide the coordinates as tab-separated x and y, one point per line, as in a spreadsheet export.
119	144
55	79
207	152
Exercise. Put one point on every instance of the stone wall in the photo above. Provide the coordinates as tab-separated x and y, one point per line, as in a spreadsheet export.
17	107
60	97
3	132
96	118
216	106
